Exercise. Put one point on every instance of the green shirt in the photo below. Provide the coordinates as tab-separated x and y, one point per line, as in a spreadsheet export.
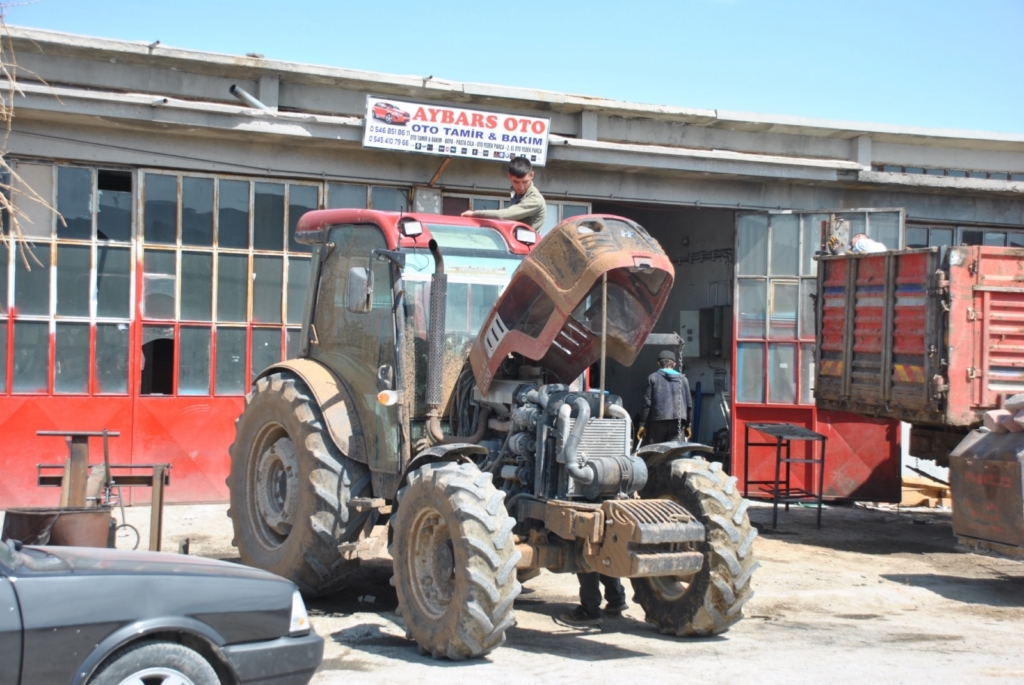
530	210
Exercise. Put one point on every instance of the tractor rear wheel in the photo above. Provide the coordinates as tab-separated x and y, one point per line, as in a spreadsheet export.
291	487
454	560
711	600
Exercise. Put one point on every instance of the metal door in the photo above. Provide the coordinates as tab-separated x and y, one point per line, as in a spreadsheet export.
774	355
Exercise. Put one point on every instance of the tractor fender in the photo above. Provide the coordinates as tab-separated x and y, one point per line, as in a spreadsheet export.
458	452
657	454
335	403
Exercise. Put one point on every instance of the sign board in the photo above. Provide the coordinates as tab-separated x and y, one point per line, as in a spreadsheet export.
453	131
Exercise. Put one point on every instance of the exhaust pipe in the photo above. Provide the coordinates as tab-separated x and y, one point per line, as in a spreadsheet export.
248	99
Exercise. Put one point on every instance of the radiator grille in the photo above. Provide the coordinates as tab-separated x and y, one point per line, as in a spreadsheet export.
604	438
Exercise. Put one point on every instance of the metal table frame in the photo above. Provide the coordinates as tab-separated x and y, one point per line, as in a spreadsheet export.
784	434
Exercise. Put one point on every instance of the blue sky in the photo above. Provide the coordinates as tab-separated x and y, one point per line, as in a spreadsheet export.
934	63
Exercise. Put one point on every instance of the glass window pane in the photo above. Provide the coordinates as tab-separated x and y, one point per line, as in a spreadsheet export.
291	343
298	280
73	289
808	304
857	223
550	218
157	361
345	196
160	221
811	243
4	260
268	217
158	284
785	233
32	283
485	204
113	281
454	206
196	286
74	202
114	218
977	174
196	211
31	356
752	245
232	287
266	348
457	316
1013	239
749	372
389	199
959	173
753	297
972	237
998	175
112	358
885	228
995	238
301	199
917	237
233	214
785	303
266	289
3	356
71	358
194	361
574	210
230	361
782	373
36	219
807	373
940	236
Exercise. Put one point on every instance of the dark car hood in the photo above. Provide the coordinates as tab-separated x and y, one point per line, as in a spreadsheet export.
99	561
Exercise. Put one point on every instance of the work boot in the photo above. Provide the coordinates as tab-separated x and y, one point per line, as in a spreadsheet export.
580	618
616	609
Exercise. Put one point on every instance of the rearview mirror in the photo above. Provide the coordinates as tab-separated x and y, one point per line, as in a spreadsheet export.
360	289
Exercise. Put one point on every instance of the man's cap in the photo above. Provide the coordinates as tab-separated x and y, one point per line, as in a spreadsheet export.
666	354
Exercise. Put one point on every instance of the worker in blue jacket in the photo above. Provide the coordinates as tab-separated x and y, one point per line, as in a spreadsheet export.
667	403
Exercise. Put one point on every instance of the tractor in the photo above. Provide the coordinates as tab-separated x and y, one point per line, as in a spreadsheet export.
439	405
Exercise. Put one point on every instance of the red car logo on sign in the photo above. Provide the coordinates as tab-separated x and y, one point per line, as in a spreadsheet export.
389	113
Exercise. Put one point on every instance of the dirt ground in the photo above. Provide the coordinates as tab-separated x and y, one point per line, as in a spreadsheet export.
875	596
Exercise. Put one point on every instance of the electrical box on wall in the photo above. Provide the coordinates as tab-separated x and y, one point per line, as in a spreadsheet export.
689	331
716	331
426	200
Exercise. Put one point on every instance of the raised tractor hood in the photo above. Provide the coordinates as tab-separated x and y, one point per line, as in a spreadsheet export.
551	311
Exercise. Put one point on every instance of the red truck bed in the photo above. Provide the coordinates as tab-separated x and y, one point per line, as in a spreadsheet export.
930	336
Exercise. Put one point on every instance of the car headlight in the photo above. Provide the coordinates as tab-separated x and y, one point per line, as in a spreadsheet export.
300	619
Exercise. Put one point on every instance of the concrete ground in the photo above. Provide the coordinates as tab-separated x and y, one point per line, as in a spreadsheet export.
876	596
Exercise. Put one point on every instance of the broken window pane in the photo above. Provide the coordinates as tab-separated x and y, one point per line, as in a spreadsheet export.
197	211
113	282
752	245
233	214
266	289
112	358
750	372
158	285
114	218
73	262
752	296
157	362
194	361
268	217
32	283
266	348
232	287
36	180
389	199
782	373
785	231
31	356
298	280
71	358
196	286
230	361
301	199
345	196
74	202
160	222
291	343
